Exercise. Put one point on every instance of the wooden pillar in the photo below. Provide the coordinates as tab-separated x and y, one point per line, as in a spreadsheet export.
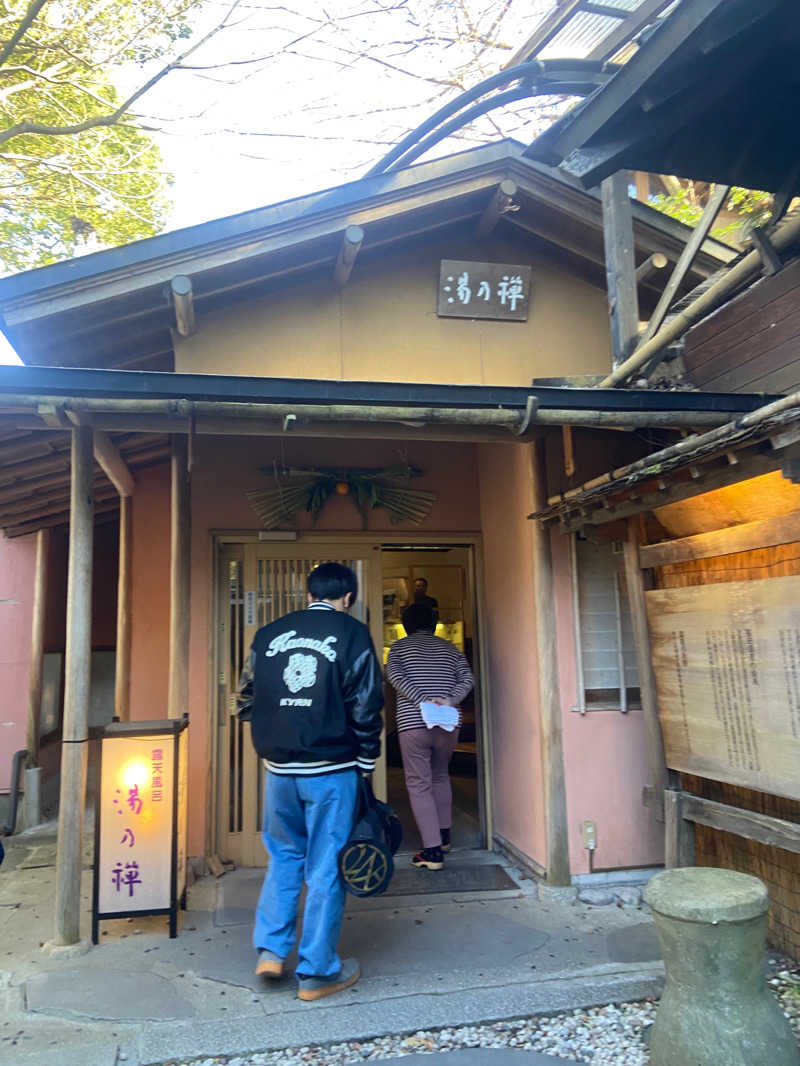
647	681
678	833
37	648
180	568
623	301
122	676
555	794
77	664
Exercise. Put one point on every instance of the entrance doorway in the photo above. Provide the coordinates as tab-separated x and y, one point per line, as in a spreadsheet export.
445	571
259	581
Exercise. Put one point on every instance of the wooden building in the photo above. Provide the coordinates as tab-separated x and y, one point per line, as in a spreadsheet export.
185	397
713	521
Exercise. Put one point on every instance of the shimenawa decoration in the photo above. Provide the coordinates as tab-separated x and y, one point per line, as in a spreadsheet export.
310	488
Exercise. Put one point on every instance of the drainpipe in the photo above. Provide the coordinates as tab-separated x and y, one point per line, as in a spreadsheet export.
16	765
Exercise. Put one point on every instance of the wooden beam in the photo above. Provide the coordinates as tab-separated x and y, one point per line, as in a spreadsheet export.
500	202
623	302
769	257
550	711
767	533
183	302
61	519
122	673
53	416
647	682
680	490
113	465
180	572
655	262
678	833
37	648
569	451
77	669
774	832
687	257
351	243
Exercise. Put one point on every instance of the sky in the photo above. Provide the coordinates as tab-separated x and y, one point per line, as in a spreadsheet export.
287	102
291	99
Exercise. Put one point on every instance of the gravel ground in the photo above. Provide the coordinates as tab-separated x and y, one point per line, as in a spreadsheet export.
604	1036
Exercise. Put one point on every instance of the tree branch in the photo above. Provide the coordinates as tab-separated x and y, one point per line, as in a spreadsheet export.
98	121
34	8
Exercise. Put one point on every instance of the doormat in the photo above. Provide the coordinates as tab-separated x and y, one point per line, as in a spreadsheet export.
237	892
409	881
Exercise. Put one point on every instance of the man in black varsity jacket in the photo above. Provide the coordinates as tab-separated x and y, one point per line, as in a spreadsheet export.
312	692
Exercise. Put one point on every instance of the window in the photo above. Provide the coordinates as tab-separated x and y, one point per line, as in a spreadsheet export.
606	656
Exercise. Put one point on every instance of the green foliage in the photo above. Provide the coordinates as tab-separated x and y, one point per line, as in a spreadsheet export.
63	192
750	206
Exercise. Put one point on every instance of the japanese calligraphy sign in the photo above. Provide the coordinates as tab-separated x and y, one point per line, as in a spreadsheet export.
726	659
136	823
484	290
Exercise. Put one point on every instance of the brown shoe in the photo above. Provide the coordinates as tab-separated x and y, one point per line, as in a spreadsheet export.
312	988
269	964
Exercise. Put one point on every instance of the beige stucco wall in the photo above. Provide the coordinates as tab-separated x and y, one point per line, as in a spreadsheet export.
383	326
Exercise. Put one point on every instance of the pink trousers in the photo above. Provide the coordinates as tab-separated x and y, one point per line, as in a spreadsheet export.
426	758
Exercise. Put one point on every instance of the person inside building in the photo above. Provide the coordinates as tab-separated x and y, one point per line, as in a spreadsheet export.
422	598
424	668
312	691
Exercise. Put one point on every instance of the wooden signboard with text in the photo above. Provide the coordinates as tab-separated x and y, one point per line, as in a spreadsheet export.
484	290
726	659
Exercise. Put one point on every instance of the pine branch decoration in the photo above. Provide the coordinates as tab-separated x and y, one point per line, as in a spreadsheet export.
298	489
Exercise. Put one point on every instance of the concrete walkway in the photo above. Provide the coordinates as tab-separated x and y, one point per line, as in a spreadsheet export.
428	960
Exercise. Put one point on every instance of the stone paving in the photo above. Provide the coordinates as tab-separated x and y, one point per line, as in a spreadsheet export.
427	961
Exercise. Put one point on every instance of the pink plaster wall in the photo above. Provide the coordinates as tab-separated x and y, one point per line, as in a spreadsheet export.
605	758
224	468
510	628
17	565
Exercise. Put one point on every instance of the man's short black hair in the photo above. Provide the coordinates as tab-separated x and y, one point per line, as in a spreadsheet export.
331	581
419	616
421	581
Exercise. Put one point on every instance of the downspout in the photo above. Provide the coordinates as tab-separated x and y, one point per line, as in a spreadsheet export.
782	238
16	765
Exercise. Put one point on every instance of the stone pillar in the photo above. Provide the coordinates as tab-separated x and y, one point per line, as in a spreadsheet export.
717	1008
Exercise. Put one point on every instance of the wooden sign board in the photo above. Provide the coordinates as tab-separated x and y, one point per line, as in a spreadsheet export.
484	290
726	659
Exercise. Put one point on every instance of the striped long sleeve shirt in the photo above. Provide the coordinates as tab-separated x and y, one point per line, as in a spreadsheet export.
422	667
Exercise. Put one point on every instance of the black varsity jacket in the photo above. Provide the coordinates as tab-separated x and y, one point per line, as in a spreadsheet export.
312	692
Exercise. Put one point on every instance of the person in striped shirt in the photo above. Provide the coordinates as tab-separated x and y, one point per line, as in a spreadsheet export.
425	668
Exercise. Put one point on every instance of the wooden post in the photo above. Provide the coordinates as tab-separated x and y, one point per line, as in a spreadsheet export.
500	202
647	681
351	243
37	648
183	301
623	303
685	260
555	795
77	665
122	675
678	833
180	569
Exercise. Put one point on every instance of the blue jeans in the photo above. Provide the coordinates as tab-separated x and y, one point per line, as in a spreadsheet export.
307	821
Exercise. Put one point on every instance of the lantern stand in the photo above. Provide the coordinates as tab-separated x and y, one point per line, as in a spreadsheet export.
142	795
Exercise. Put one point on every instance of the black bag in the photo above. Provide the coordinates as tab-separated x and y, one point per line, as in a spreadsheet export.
365	862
